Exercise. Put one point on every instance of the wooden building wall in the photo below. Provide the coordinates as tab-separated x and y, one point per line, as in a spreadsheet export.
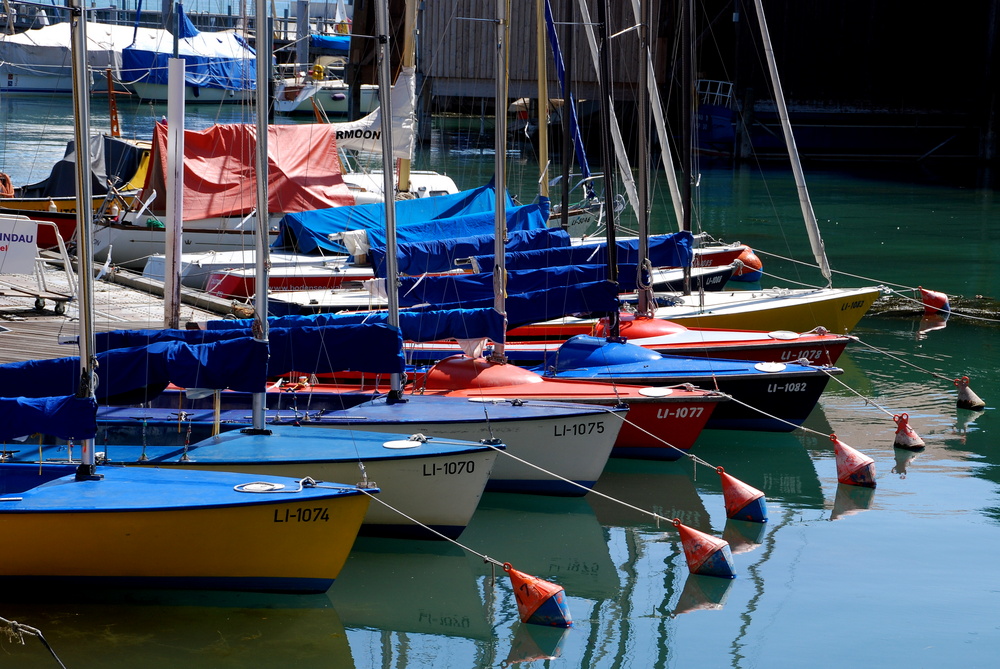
456	49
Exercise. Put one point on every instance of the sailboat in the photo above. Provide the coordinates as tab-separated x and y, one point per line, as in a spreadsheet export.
837	309
147	527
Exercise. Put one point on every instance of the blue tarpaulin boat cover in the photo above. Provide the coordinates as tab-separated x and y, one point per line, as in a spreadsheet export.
673	250
436	244
240	364
372	347
65	417
463	289
430	324
211	60
309	231
337	43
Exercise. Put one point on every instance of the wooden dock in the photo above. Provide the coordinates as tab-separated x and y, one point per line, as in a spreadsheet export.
123	301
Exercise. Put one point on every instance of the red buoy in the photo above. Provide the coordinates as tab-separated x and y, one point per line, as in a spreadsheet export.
705	554
539	602
853	466
906	437
743	502
749	268
934	301
966	398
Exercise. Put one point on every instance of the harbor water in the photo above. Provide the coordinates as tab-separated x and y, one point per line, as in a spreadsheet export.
901	575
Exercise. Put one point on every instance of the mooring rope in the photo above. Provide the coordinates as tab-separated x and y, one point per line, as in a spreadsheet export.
16	631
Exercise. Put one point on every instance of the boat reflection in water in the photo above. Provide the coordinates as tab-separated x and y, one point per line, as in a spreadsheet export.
161	630
416	587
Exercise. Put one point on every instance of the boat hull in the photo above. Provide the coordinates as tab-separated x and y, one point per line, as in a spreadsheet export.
837	309
438	484
235	541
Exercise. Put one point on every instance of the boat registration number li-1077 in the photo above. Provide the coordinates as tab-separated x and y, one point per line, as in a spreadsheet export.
680	412
578	429
319	514
450	468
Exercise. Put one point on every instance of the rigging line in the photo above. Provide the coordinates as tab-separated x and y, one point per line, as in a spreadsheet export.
814	266
867	400
18	630
902	360
949	312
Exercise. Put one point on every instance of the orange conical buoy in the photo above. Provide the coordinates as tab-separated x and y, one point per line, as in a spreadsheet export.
743	502
853	466
966	398
539	602
934	301
906	437
705	554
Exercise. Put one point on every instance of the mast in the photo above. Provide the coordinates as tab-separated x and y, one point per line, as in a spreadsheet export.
500	176
84	221
608	159
260	326
407	59
388	192
568	114
687	118
808	215
642	213
543	99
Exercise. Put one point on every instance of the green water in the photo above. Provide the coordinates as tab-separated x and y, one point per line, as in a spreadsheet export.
903	575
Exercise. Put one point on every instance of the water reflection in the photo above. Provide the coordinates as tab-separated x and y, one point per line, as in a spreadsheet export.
129	629
702	593
743	536
533	643
850	500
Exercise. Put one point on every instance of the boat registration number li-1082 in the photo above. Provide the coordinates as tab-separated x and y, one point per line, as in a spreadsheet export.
319	514
790	387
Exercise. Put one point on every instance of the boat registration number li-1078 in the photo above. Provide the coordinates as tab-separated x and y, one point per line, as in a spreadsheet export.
450	468
319	514
578	429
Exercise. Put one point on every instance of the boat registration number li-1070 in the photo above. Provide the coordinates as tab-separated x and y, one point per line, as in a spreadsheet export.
319	514
450	468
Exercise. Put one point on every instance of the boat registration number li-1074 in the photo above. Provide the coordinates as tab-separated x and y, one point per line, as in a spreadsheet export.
319	514
450	468
578	429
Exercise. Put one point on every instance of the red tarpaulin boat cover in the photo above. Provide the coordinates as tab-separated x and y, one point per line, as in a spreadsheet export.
303	170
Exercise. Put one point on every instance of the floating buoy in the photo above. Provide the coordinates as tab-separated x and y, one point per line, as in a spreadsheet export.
906	437
934	301
750	267
705	554
966	398
743	501
539	602
853	466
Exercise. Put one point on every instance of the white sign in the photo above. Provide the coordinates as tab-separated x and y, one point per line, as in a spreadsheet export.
18	246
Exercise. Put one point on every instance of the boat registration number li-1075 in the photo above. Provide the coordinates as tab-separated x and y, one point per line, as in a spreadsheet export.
319	514
578	429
